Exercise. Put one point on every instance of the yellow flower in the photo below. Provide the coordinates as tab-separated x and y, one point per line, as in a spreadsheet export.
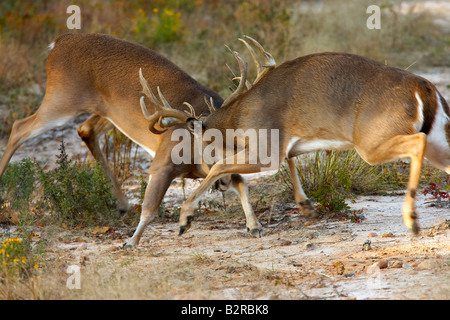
36	266
155	10
168	12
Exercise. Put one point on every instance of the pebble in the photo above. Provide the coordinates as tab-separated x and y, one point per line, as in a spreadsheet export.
395	264
284	242
382	264
372	235
309	246
366	245
387	235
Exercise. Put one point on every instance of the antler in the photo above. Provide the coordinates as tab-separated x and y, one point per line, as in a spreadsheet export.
242	77
164	114
262	69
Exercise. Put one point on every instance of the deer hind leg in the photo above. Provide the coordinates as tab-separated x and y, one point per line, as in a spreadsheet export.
46	118
438	141
90	132
397	147
300	197
238	184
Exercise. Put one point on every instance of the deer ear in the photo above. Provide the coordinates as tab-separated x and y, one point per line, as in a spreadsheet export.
193	123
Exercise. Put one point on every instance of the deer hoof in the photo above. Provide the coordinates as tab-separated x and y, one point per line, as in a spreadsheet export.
308	209
127	246
184	228
415	228
258	233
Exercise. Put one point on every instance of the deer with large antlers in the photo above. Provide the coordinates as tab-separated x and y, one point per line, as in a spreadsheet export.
94	73
328	101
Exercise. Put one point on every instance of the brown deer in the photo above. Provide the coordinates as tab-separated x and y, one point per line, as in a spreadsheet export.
94	73
327	101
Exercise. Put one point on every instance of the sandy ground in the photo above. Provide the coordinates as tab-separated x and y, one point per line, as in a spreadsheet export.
295	259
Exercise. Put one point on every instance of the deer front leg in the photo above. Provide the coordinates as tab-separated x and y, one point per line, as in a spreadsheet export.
217	171
154	193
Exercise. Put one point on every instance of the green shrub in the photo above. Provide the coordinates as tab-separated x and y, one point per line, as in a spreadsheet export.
78	195
330	177
17	185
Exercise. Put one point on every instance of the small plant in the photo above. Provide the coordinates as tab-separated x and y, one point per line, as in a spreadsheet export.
435	189
15	259
17	185
118	149
78	195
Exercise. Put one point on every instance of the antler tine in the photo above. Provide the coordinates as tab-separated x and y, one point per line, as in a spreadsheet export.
269	59
243	78
147	91
163	110
210	104
248	84
259	67
191	108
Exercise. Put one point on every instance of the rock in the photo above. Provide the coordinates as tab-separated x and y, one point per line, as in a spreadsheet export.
382	264
395	264
387	235
372	235
309	246
284	242
366	245
407	266
348	275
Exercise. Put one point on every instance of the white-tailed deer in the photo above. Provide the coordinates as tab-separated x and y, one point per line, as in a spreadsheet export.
330	101
94	73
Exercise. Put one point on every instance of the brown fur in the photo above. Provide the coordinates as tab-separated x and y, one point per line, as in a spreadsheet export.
336	97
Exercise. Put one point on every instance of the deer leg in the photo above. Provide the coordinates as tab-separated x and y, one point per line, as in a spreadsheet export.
300	197
252	223
218	170
45	119
90	132
154	193
396	147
